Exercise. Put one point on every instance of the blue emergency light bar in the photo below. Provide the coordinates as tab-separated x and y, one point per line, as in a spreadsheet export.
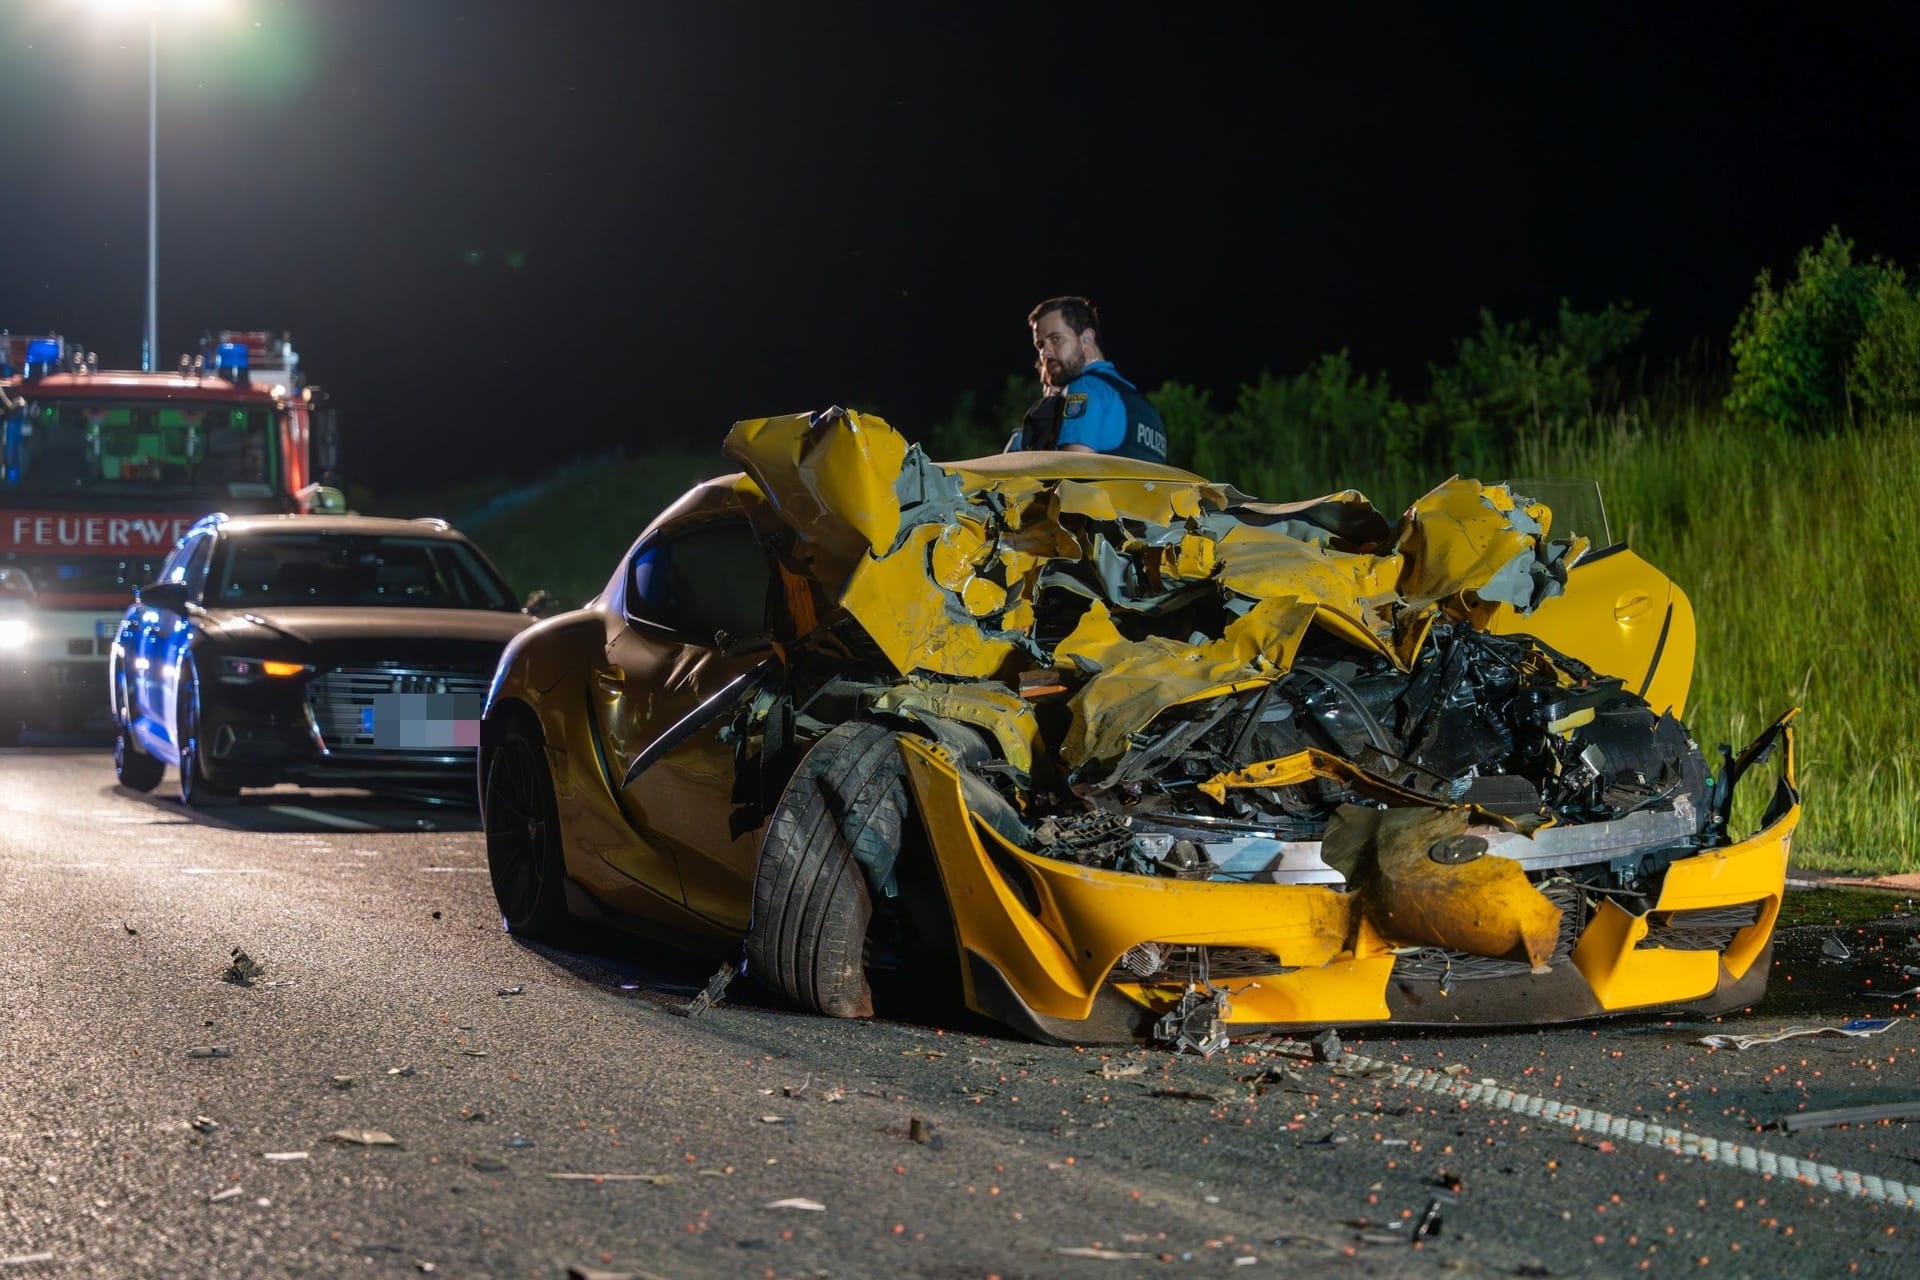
231	355
43	351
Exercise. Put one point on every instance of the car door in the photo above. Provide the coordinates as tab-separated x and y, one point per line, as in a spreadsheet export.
154	675
688	646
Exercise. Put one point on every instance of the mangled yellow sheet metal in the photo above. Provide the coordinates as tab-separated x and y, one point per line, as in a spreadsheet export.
1243	763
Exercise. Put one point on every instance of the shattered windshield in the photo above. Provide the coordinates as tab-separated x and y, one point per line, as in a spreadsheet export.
129	447
353	570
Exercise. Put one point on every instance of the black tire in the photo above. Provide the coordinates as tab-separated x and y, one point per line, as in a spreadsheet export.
136	770
811	903
524	854
196	792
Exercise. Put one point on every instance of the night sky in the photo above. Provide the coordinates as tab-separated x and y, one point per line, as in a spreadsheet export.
506	233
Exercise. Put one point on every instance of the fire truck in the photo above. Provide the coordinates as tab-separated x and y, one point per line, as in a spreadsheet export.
102	472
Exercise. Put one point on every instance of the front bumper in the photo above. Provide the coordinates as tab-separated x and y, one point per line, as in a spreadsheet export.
255	736
1042	940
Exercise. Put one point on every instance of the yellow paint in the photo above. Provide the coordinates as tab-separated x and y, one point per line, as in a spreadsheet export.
893	601
992	707
833	482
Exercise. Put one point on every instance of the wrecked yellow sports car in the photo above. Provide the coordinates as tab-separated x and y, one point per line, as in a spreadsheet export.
1120	753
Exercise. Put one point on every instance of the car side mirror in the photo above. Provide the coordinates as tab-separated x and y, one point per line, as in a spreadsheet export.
171	596
542	604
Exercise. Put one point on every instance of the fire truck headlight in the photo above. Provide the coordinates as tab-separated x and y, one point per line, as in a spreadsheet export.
15	632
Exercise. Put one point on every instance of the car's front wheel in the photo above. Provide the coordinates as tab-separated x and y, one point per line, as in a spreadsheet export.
196	792
811	904
524	854
135	769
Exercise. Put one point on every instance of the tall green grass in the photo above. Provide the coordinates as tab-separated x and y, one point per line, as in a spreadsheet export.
1800	554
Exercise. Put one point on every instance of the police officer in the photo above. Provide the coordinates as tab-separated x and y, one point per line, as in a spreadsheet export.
1088	407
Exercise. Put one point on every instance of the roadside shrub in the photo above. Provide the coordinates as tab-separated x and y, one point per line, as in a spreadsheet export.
1794	348
1885	375
1506	382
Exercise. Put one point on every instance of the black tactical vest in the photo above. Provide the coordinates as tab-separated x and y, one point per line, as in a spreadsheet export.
1146	436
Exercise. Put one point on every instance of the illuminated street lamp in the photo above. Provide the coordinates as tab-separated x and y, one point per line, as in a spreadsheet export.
150	335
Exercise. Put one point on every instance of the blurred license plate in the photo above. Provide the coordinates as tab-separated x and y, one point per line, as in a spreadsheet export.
417	721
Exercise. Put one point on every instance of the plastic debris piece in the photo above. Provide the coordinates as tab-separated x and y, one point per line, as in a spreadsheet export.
1868	1114
365	1137
1120	1070
516	1141
797	1202
242	969
283	1155
1102	1255
25	1259
595	1273
1893	995
342	1082
423	1266
1195	1024
919	1130
475	1053
1429	1221
711	994
511	991
1855	1027
652	1179
401	1071
210	1051
775	1120
1325	1046
205	1124
1834	949
229	1194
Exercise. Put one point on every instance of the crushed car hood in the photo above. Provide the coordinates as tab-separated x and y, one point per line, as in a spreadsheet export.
1190	589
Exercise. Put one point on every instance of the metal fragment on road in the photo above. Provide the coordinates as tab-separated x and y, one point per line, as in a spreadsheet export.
210	1051
229	1194
1102	1255
1196	1024
205	1124
283	1155
713	992
1834	949
1867	1114
1853	1027
797	1202
511	991
365	1137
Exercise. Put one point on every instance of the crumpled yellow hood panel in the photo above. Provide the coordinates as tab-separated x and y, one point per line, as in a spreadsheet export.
944	568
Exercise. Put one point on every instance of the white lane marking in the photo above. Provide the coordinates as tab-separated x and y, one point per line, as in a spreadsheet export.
328	819
1737	1155
432	870
223	871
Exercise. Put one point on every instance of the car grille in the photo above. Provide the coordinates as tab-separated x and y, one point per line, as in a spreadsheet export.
1701	929
389	711
1163	962
1447	967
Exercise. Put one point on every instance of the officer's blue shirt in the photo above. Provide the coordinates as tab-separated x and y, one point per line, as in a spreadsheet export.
1094	414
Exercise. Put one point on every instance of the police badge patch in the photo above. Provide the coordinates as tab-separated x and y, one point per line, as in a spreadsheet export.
1076	407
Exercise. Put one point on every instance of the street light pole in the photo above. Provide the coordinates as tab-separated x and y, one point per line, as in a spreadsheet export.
153	189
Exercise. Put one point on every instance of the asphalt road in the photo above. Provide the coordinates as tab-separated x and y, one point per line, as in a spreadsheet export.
753	1141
